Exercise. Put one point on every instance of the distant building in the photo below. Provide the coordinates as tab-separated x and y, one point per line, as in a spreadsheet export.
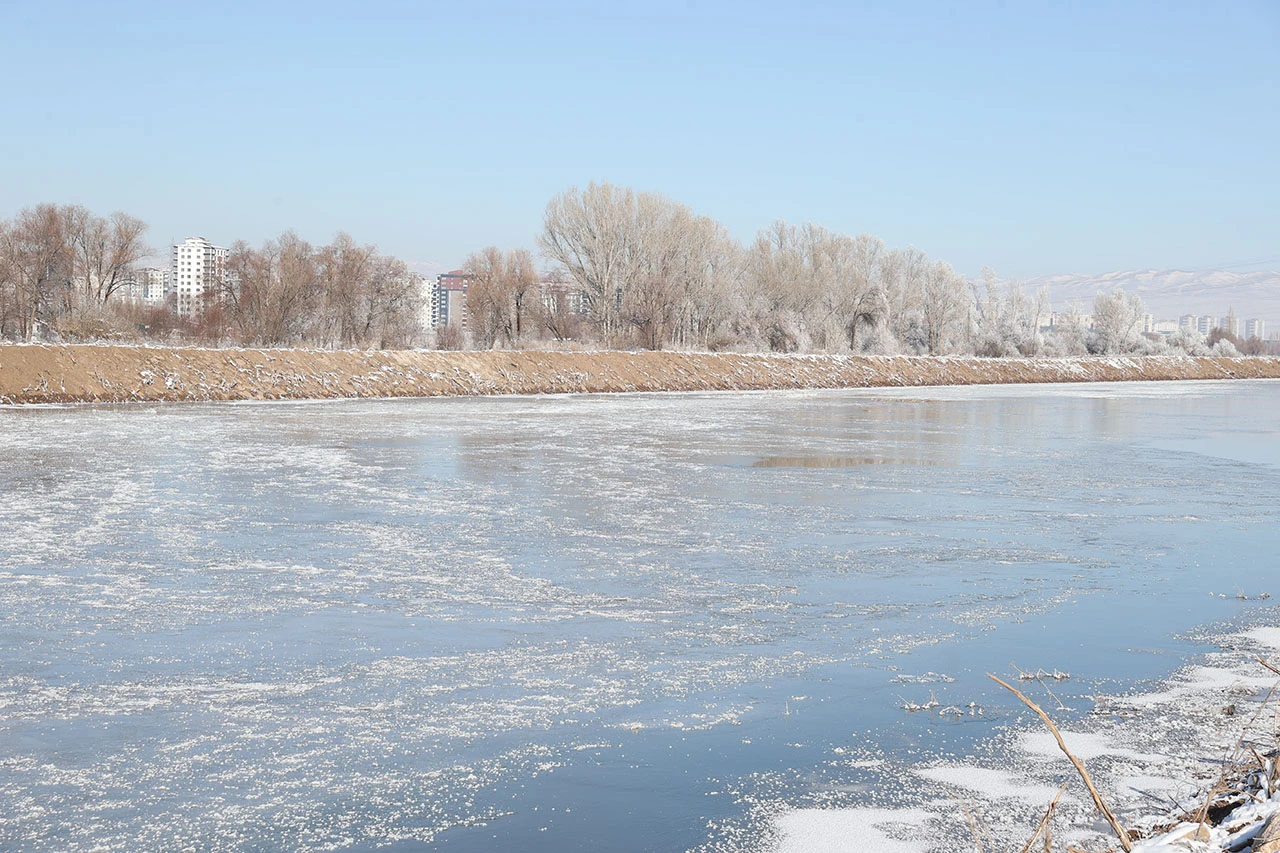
195	271
1057	319
1230	323
1205	325
146	285
562	296
153	284
448	300
1189	321
1255	329
129	289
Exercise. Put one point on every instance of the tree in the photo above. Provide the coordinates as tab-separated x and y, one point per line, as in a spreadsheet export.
640	260
1006	321
1117	323
591	233
861	297
273	293
343	269
40	267
104	251
1070	333
502	297
556	309
944	308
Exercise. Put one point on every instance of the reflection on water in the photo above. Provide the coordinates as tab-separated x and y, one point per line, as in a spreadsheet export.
578	623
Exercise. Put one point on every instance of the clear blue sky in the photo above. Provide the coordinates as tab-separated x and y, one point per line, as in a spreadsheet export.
1035	137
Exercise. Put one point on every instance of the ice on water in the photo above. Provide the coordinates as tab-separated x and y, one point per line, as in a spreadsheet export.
322	626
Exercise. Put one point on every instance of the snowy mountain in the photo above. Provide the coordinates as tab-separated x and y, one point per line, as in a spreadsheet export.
1171	293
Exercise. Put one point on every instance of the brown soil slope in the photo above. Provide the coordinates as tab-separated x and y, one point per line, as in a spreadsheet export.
61	374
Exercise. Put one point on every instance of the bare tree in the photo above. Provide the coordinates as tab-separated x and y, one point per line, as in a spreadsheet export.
557	309
523	293
488	309
590	233
502	297
640	260
104	251
40	269
343	269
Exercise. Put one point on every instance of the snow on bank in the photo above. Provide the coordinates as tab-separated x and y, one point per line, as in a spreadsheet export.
106	373
1153	754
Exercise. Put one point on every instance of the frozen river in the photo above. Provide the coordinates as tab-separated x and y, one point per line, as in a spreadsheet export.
627	623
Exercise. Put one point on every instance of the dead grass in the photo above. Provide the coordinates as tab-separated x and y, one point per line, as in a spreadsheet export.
118	373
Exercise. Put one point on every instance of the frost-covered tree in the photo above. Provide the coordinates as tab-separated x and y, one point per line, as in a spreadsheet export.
1006	321
1070	334
1188	341
1117	323
1224	349
944	308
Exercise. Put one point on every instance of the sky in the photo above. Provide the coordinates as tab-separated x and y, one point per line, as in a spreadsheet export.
1034	138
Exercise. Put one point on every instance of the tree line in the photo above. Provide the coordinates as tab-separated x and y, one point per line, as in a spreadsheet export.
341	295
621	268
66	273
62	262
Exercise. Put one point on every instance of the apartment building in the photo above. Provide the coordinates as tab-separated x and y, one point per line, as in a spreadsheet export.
448	302
196	269
153	285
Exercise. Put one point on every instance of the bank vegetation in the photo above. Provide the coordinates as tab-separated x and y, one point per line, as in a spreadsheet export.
615	269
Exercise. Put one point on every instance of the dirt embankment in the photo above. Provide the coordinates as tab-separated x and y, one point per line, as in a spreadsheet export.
91	373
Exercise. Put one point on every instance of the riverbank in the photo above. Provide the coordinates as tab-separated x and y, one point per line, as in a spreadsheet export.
1190	766
116	374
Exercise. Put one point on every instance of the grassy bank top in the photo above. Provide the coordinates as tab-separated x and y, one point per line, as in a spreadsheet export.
97	373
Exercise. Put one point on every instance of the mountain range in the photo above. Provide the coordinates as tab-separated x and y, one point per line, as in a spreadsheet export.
1169	294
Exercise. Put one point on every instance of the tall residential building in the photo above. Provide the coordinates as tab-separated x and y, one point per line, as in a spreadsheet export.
448	304
1189	321
1205	324
197	268
1230	323
1255	329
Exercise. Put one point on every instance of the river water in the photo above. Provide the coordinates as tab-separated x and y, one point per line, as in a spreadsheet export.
631	622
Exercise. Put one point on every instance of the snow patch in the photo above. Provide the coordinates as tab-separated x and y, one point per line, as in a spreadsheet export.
841	830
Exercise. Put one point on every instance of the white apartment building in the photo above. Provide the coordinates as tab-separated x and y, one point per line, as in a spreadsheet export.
196	269
1255	329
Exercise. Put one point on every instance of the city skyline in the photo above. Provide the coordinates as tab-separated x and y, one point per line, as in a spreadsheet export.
1035	140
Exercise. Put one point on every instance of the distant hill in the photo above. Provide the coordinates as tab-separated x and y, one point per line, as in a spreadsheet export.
1171	293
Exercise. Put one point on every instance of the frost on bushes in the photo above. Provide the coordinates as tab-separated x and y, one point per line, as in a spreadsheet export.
1225	349
1069	337
1188	341
1153	345
1007	324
